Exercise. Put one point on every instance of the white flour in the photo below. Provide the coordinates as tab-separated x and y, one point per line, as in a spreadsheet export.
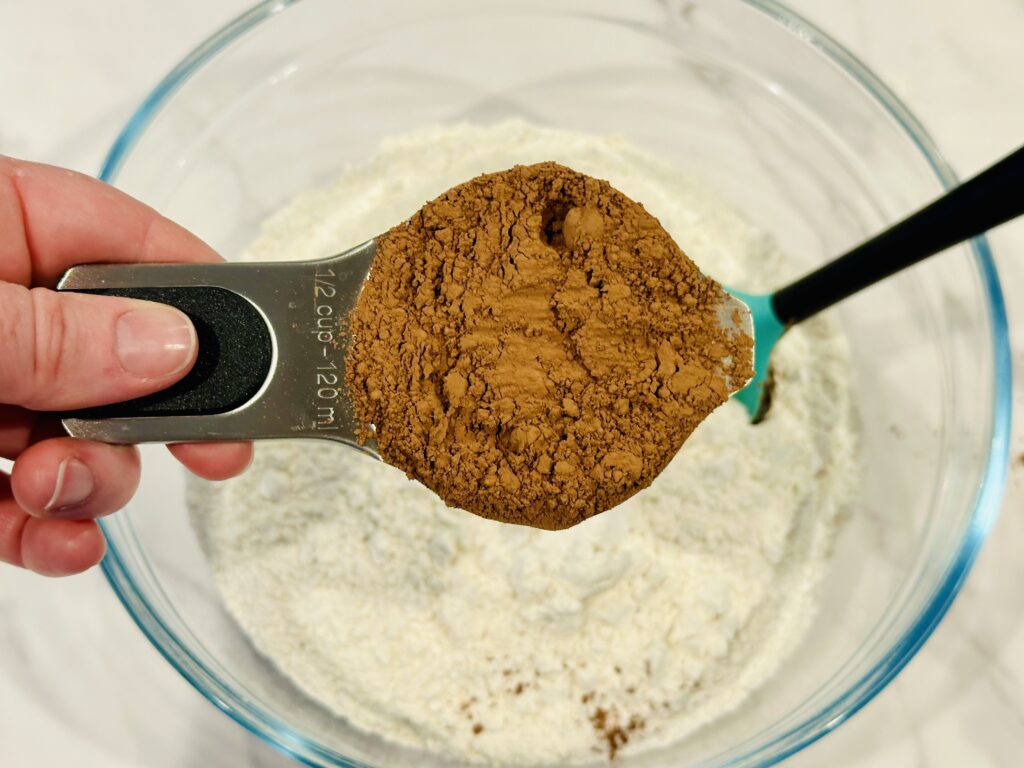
425	624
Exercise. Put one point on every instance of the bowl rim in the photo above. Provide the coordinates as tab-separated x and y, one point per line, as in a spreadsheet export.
987	499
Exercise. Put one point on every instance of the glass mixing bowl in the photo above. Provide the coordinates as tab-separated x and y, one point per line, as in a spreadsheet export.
786	124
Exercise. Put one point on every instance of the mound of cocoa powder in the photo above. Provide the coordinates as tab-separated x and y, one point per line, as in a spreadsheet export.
534	348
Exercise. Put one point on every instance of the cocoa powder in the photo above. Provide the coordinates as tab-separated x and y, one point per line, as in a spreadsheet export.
534	347
614	736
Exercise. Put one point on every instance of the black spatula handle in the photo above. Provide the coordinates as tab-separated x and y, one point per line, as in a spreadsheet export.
994	196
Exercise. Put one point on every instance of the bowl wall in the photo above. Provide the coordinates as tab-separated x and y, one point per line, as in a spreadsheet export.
800	139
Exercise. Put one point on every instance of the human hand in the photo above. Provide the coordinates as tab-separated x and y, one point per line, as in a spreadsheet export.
62	351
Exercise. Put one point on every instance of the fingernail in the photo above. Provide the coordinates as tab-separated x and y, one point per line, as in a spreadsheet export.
74	485
154	342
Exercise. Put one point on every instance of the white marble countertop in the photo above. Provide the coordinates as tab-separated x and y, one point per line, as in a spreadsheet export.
82	687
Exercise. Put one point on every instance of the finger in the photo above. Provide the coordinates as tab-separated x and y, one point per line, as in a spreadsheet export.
47	427
49	547
70	350
26	428
16	426
71	479
53	218
12	524
214	461
62	547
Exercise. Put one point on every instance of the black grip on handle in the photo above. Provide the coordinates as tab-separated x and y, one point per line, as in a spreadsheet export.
233	361
992	197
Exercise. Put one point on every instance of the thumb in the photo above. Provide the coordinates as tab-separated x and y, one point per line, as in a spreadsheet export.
69	350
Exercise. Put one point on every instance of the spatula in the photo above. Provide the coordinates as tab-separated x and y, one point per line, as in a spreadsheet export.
994	196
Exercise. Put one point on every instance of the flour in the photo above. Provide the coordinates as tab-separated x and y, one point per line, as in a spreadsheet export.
494	643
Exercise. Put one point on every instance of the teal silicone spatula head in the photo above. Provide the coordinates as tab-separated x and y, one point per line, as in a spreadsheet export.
767	330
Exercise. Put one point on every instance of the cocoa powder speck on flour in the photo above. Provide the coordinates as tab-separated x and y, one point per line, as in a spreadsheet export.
483	642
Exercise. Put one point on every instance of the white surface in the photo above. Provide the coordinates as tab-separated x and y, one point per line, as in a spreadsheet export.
82	687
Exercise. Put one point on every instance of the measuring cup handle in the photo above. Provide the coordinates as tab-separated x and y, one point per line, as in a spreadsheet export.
233	360
994	196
